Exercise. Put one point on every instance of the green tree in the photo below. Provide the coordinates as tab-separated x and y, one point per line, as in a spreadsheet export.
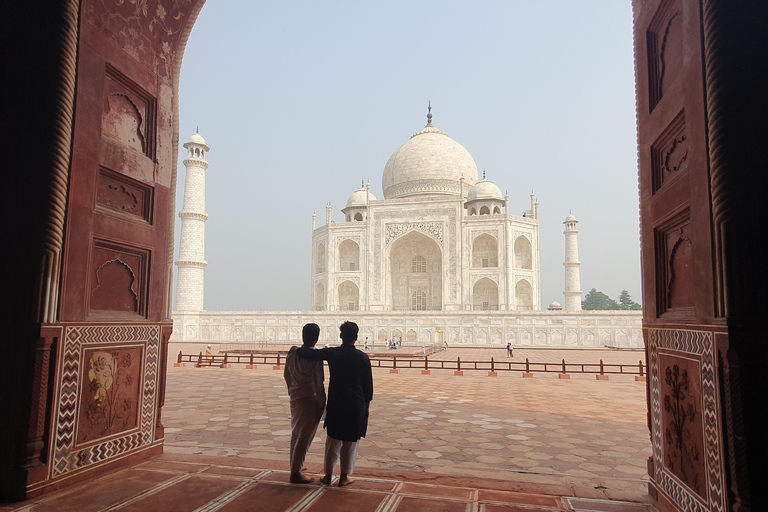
595	300
626	302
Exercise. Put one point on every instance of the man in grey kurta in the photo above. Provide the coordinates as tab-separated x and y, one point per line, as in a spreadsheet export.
304	379
349	395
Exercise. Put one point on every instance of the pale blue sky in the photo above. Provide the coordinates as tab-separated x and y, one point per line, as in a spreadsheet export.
301	100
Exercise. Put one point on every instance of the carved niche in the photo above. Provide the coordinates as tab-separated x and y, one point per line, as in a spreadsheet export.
118	280
669	154
674	273
128	113
665	49
123	195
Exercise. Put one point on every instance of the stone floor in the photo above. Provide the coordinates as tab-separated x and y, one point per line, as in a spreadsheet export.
202	484
436	442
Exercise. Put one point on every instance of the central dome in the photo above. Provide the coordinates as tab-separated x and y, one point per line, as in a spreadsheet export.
429	163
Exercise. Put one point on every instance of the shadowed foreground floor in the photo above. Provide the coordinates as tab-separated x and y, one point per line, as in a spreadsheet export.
438	442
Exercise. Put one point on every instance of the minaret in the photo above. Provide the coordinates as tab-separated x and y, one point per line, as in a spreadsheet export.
572	278
191	262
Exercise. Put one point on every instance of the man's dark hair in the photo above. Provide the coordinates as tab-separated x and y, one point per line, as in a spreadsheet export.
349	332
309	334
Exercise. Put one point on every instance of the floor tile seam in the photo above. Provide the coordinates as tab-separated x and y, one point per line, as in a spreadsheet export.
307	500
148	492
456	499
389	504
537	508
227	497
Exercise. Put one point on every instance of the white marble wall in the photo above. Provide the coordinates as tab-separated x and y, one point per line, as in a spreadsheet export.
622	329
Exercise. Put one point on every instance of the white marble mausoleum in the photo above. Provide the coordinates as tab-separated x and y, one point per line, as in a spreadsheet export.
440	259
440	240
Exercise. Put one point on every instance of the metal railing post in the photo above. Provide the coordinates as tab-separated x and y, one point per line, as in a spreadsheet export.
200	359
641	368
426	363
251	362
564	366
527	366
492	364
179	360
458	364
601	367
394	362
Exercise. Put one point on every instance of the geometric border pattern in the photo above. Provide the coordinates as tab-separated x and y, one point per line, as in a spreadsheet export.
700	343
65	457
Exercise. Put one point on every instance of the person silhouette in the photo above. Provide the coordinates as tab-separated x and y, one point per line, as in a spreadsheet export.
350	392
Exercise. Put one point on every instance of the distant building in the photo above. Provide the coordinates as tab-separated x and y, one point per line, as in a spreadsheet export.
440	240
439	259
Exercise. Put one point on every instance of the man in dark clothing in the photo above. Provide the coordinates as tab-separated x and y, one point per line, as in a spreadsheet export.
349	395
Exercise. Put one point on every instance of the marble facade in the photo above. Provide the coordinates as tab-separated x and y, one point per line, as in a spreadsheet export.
620	329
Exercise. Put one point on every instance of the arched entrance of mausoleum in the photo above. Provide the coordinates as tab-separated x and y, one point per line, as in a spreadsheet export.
701	67
415	268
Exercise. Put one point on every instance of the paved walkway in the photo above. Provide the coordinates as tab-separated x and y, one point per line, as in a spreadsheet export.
581	432
441	442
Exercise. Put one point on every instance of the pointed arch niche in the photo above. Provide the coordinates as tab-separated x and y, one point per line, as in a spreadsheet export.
523	253
416	269
485	251
523	296
349	296
485	295
320	259
319	297
349	256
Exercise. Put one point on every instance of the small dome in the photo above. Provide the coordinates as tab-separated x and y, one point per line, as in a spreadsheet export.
358	198
554	305
571	218
484	189
197	139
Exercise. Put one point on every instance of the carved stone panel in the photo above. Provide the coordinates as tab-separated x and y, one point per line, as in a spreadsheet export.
665	49
128	113
685	417
674	260
669	154
125	196
109	392
681	419
81	384
118	281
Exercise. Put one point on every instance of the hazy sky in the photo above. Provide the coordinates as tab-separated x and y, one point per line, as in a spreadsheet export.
301	100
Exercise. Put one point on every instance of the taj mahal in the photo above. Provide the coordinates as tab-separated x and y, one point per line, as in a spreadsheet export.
439	259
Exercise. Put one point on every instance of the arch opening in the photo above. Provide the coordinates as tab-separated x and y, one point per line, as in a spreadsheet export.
415	264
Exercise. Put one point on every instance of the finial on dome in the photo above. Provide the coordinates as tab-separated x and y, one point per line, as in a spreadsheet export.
483	173
429	114
362	183
197	129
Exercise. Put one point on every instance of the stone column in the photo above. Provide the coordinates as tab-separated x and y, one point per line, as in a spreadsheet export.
191	262
572	277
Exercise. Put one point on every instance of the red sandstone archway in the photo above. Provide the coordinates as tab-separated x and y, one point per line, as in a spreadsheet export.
95	134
